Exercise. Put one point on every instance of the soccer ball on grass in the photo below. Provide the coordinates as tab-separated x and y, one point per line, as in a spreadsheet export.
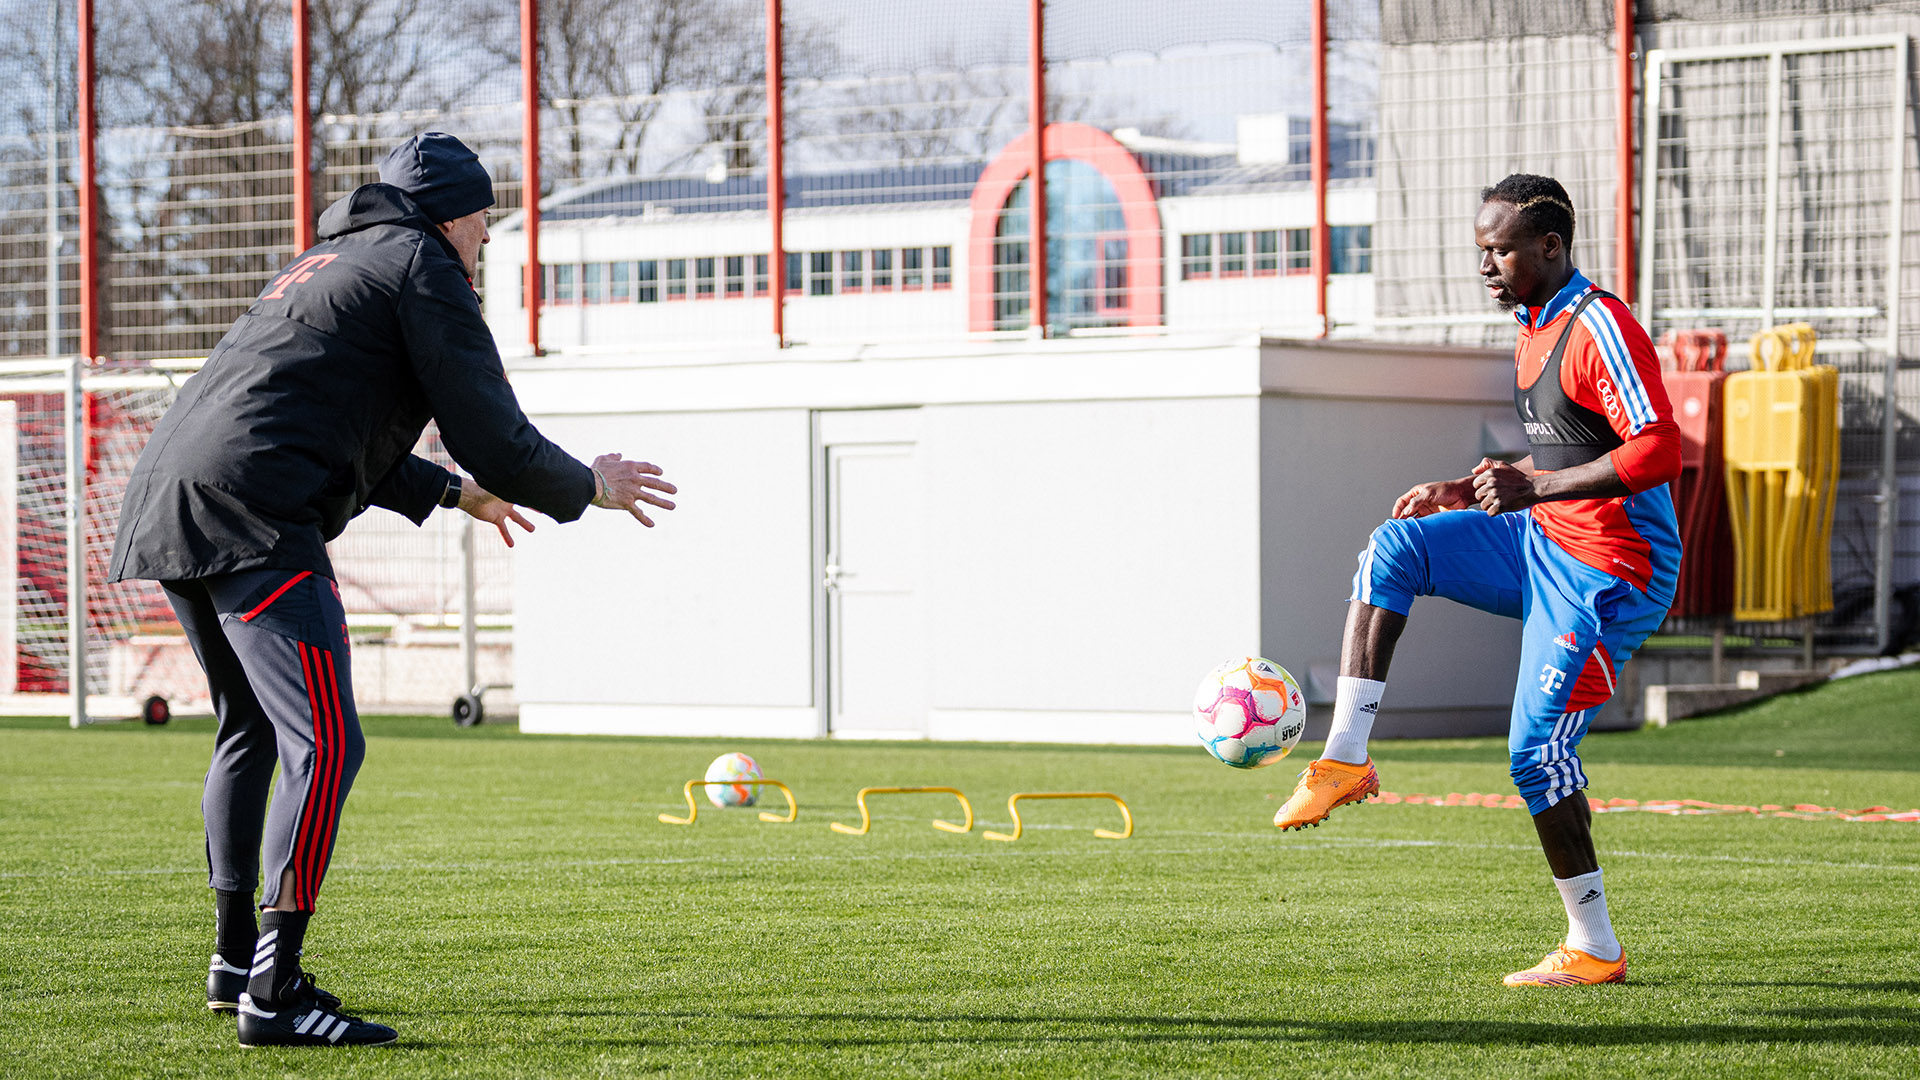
732	767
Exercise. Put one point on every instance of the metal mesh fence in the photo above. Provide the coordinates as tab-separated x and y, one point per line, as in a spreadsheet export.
36	62
1783	190
1178	193
1469	93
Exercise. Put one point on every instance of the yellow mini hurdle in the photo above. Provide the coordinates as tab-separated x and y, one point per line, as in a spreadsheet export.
866	819
693	808
1013	807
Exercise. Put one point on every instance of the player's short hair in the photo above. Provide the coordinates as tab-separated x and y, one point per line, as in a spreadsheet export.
1540	201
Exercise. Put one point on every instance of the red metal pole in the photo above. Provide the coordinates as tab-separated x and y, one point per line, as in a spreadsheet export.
1623	137
530	155
304	235
1317	158
1037	190
776	175
89	193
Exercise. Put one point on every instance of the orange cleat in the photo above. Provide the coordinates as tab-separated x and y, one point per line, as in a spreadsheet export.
1570	967
1324	785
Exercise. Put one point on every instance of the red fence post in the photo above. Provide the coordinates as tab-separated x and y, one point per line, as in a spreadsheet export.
89	193
1037	256
1317	158
530	155
776	175
1623	136
304	235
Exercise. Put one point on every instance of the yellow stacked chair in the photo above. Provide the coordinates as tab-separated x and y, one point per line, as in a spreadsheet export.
1783	459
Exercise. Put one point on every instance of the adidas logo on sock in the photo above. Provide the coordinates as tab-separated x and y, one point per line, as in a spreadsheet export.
1371	707
1592	894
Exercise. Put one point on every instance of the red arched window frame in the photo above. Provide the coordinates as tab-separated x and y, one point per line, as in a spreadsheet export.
1141	213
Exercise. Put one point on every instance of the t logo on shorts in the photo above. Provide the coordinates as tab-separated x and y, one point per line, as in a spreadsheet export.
1551	679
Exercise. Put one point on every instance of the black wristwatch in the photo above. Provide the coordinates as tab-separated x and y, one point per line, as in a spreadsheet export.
450	498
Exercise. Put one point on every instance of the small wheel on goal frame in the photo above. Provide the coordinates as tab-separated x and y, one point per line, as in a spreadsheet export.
155	711
467	710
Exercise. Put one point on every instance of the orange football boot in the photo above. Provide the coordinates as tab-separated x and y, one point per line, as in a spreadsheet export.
1324	785
1566	966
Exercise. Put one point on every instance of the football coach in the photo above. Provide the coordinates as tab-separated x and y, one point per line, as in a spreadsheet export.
305	415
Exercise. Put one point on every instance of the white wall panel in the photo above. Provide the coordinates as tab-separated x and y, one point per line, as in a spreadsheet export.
1090	556
713	607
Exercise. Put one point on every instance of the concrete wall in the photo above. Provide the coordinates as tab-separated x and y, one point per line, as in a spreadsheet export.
1101	522
1345	430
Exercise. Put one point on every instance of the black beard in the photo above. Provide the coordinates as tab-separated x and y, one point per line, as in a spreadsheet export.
1509	302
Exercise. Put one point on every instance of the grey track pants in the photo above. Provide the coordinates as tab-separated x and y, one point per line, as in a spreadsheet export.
274	646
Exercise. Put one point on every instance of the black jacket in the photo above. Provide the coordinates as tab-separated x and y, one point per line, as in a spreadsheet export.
306	412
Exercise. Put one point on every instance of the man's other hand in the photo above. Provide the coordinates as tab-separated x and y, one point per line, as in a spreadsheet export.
483	505
1500	488
623	485
1434	497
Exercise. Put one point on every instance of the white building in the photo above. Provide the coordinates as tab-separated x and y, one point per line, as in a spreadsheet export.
912	525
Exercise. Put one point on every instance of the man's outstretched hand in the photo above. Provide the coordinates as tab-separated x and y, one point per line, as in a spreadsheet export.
623	485
483	505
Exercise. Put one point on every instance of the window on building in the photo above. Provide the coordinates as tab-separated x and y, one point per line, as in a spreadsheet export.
620	282
593	283
882	277
820	273
943	268
703	285
853	274
736	267
563	278
760	279
1266	253
1352	249
646	281
1113	274
1299	251
1233	254
796	273
910	272
1196	256
676	279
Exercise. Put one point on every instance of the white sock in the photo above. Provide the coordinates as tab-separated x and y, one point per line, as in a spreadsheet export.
1588	928
1355	701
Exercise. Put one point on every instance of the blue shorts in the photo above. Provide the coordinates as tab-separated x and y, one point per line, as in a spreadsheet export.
1580	625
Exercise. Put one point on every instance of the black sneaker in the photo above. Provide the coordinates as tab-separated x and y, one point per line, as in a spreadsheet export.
225	984
307	1020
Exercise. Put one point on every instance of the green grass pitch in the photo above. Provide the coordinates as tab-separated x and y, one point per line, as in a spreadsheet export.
511	904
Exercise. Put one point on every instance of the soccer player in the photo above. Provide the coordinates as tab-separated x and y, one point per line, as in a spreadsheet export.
303	417
1578	541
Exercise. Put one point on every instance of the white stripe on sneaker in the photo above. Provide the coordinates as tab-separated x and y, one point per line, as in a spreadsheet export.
307	1022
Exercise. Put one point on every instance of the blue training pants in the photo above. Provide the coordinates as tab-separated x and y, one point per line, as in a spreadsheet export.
1580	625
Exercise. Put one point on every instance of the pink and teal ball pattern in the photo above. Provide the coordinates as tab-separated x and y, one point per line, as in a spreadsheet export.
732	767
1249	712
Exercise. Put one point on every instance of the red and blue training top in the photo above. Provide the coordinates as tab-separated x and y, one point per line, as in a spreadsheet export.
1609	375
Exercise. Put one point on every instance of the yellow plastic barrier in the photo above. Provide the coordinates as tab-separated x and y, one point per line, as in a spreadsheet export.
1013	807
693	808
866	820
1782	458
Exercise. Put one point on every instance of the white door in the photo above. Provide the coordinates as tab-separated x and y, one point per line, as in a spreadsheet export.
876	664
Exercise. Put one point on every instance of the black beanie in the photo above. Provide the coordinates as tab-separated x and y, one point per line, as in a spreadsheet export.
442	175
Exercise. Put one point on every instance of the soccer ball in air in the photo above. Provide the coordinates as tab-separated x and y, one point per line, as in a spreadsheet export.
1249	712
732	767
